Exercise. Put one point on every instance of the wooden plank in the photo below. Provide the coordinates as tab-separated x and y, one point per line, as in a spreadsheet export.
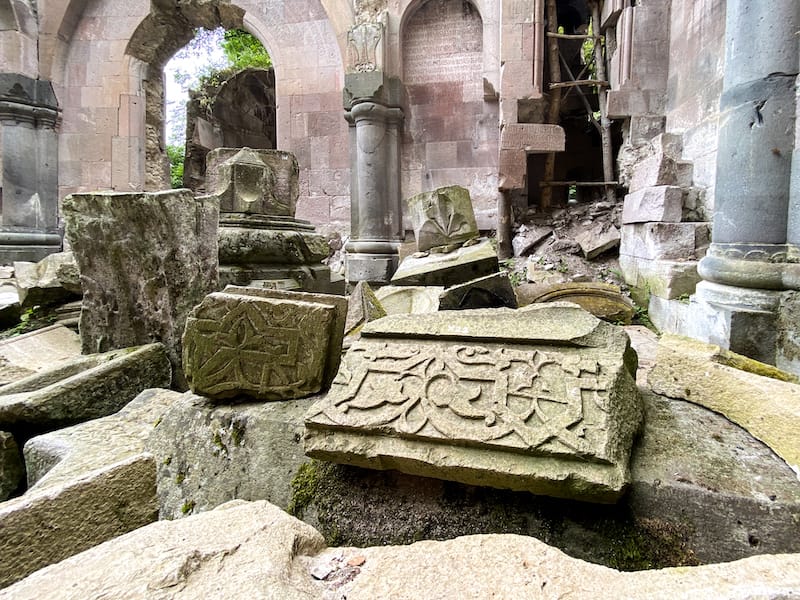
565	84
577	183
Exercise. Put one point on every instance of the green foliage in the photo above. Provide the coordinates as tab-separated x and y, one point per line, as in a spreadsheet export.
244	51
176	158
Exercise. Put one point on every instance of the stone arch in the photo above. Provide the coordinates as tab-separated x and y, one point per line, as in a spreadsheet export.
108	66
451	134
160	35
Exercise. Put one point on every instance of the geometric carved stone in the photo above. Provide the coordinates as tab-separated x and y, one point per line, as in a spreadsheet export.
540	399
269	346
442	217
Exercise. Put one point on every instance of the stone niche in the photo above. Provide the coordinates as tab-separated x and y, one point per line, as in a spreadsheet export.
541	399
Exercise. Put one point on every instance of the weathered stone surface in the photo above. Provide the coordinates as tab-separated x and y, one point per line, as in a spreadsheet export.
249	546
145	260
255	546
442	217
84	388
363	306
603	300
245	184
267	344
491	291
405	299
601	238
507	405
661	203
29	353
464	264
243	245
10	309
12	472
49	281
749	393
665	241
89	483
208	453
528	237
668	279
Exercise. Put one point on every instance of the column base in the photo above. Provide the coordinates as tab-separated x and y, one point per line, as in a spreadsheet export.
372	268
759	324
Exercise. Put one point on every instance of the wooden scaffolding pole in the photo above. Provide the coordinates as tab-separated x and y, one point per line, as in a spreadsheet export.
554	109
602	96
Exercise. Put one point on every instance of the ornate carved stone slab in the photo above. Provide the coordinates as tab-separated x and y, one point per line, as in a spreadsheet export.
551	416
442	217
266	344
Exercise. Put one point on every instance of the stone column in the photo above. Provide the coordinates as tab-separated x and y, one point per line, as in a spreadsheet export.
29	183
752	258
372	100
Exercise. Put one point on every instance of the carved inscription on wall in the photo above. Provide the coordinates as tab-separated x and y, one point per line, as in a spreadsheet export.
521	399
266	348
365	48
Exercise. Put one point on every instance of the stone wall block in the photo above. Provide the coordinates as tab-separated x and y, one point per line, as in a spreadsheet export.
665	241
661	203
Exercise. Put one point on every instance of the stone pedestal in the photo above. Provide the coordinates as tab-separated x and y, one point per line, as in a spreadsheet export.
372	100
752	258
261	243
29	181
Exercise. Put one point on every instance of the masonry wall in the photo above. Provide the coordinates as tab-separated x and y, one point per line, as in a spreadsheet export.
102	91
451	134
697	56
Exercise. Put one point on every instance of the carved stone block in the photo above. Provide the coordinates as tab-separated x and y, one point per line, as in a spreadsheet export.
266	344
540	399
451	268
442	217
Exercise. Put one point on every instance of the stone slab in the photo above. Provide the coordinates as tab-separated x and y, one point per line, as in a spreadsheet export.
661	203
442	217
42	283
532	137
420	395
753	395
491	291
146	259
258	547
600	238
90	483
461	265
82	389
28	353
527	238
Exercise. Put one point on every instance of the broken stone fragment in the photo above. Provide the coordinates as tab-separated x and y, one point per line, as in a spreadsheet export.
37	351
461	265
442	217
52	280
760	398
87	484
528	238
491	291
363	306
598	239
145	260
541	400
83	388
266	344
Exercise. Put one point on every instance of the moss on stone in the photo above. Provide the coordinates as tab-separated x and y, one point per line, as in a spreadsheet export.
647	543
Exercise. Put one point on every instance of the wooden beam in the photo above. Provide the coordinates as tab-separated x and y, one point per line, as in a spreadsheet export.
567	84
